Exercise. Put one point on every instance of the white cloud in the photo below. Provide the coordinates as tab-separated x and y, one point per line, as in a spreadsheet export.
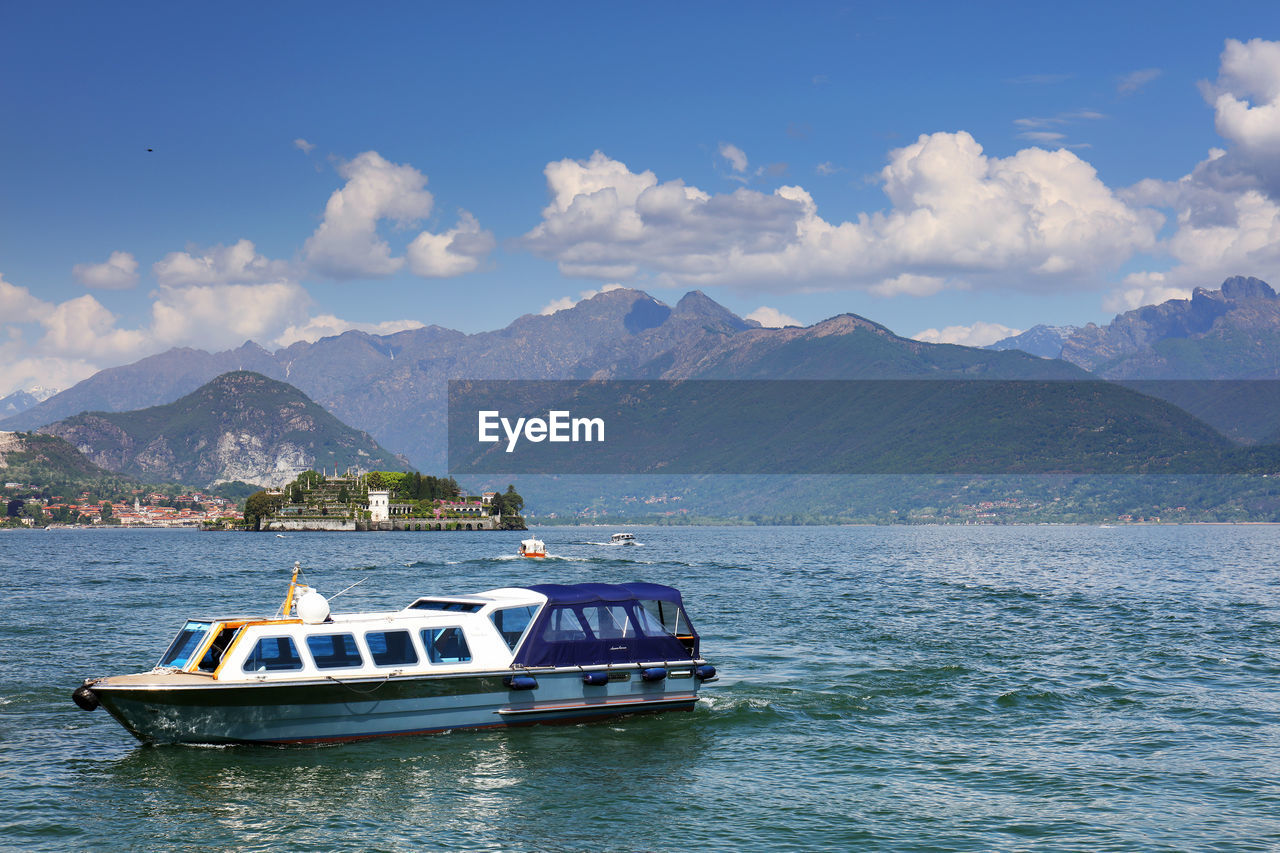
459	250
828	168
72	340
119	272
327	325
23	371
1249	70
980	334
219	316
84	327
1148	288
1047	130
1132	82
17	305
1046	136
58	344
1227	209
568	302
772	318
737	159
1034	219
75	331
910	285
303	145
219	297
236	264
347	244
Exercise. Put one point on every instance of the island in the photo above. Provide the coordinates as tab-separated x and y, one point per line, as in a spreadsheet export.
381	500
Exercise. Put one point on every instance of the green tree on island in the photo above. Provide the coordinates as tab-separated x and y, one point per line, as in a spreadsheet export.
510	505
258	506
512	501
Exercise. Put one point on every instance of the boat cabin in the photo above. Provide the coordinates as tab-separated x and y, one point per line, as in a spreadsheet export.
547	625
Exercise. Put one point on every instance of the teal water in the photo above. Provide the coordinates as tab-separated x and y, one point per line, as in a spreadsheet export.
892	688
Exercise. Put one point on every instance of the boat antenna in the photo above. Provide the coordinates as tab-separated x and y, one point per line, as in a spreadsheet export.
293	582
353	586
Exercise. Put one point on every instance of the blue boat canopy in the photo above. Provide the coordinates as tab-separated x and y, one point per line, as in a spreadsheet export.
591	624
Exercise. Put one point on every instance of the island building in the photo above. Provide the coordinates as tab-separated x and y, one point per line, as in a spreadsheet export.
321	508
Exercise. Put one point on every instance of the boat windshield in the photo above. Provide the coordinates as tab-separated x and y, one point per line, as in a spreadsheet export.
185	644
435	604
512	621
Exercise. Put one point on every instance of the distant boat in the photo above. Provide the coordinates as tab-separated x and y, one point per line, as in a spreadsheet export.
532	548
279	535
623	539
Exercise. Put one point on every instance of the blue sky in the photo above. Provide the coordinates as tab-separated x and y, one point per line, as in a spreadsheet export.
954	171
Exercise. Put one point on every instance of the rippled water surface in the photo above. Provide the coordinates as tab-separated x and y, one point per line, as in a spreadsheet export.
898	688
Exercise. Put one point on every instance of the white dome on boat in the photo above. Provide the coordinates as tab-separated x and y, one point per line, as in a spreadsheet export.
312	607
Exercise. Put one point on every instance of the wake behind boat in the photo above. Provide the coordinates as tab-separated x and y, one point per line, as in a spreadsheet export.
512	656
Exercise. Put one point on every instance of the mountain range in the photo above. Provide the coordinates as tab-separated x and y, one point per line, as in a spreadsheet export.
393	387
1229	333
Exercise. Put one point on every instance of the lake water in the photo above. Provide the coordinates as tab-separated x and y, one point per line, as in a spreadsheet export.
896	688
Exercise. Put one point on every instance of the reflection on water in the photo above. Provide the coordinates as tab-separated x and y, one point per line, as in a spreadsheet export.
473	787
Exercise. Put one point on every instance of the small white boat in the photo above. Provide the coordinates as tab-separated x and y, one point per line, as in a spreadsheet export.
623	539
512	656
532	548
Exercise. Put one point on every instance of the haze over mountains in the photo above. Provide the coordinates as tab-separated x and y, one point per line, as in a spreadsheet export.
394	386
23	399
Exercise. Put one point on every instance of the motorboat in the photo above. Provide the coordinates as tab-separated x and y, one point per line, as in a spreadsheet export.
623	539
532	548
546	653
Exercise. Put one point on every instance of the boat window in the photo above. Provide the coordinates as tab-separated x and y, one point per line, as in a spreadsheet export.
331	651
512	621
273	654
391	648
185	644
456	606
220	644
608	621
446	645
649	624
670	615
563	626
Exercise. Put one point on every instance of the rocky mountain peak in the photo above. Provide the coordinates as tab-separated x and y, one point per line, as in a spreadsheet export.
1241	288
697	305
843	324
239	426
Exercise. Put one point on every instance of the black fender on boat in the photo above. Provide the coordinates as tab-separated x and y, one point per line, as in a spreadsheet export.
84	696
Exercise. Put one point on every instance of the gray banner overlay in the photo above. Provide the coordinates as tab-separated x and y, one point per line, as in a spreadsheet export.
911	426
